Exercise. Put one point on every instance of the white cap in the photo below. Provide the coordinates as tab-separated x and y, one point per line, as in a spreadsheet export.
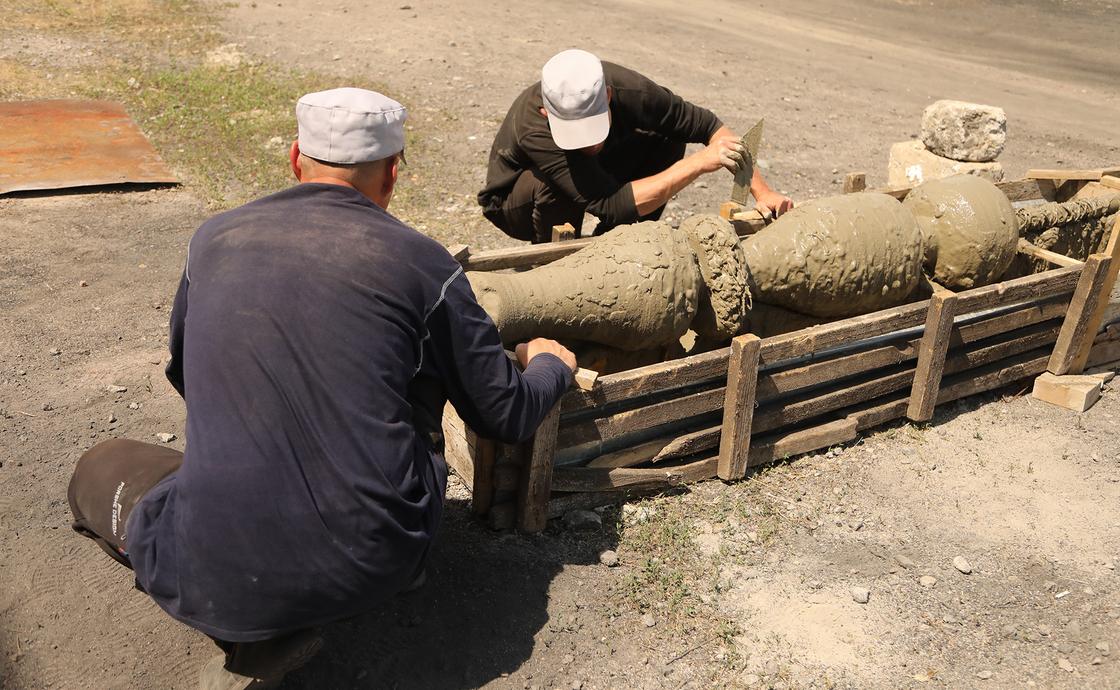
350	125
575	97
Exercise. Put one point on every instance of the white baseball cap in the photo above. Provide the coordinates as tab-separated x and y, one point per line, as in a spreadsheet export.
575	97
350	125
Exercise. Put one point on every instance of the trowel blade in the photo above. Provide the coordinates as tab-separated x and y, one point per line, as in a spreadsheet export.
741	187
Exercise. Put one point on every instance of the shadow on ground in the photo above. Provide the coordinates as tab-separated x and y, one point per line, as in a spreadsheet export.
486	598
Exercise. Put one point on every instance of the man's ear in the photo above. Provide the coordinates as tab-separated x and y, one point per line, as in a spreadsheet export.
610	94
389	181
293	157
544	113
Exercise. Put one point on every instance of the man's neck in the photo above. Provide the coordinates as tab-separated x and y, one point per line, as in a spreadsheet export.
327	179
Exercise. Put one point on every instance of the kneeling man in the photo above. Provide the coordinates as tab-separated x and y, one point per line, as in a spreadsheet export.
315	340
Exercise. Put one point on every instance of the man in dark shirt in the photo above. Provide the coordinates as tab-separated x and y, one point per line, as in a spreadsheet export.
315	340
600	138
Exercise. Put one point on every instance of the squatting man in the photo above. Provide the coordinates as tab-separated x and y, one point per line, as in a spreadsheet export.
315	340
599	138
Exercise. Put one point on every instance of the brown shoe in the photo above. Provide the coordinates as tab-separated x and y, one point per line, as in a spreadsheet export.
259	665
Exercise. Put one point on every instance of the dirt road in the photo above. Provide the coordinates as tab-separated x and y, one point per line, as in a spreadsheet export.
720	586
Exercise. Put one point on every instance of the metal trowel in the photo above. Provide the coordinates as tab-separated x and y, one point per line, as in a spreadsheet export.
741	187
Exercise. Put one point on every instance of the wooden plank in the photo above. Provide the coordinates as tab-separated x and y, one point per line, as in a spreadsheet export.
931	356
506	478
1028	190
1076	329
819	402
1098	308
521	257
502	516
776	447
1056	281
585	379
790	443
459	252
738	406
1093	175
536	476
1110	181
729	208
1055	258
637	479
563	233
772	385
855	182
457	451
624	385
482	492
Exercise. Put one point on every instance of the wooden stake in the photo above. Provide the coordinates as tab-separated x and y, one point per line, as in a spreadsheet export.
536	476
1098	309
738	407
459	252
1077	329
1092	175
855	182
1055	258
931	356
563	233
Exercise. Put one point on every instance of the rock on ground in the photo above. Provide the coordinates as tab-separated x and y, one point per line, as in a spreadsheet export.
964	131
583	520
911	164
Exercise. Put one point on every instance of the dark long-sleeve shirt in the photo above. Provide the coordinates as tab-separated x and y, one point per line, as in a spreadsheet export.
638	105
316	339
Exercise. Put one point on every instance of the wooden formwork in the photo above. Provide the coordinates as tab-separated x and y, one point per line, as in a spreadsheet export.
718	413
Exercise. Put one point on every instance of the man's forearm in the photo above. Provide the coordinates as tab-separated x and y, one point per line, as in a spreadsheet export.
653	192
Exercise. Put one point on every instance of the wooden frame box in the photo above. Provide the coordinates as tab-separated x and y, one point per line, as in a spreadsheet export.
719	413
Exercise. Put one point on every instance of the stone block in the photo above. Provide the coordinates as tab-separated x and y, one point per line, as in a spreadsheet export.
964	131
911	164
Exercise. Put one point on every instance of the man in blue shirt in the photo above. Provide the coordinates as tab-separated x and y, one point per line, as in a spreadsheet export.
315	340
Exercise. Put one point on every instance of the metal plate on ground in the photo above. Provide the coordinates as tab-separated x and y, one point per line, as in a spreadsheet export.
59	144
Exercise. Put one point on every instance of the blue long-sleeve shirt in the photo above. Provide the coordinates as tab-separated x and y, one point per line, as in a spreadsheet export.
315	339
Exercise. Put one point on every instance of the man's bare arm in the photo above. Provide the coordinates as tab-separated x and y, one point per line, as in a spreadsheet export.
724	150
650	193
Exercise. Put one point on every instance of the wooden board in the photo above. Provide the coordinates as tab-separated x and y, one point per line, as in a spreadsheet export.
1055	258
1052	174
1078	331
536	477
738	407
855	182
811	404
931	356
1096	314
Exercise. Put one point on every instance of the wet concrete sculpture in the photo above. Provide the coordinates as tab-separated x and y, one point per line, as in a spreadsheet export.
643	286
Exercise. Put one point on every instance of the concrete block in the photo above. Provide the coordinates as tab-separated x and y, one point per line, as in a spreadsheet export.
911	164
964	131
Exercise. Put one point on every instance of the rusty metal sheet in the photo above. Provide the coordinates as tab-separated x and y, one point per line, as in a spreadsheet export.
73	143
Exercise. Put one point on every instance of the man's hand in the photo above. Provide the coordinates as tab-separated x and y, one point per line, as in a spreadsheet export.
723	152
772	204
527	351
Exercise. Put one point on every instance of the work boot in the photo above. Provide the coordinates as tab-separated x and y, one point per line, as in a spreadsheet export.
259	665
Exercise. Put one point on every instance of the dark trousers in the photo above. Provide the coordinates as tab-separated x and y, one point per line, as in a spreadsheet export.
533	207
108	482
